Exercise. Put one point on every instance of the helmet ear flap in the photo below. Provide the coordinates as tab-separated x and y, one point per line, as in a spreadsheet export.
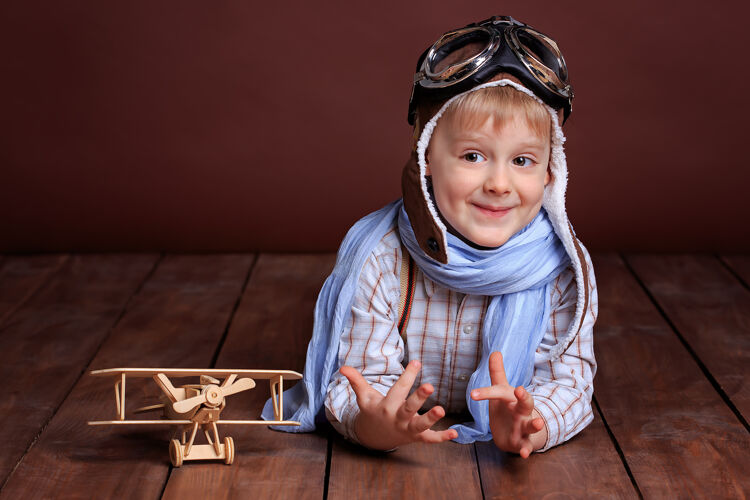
417	132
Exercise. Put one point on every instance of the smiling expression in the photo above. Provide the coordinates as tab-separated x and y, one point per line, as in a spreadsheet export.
488	181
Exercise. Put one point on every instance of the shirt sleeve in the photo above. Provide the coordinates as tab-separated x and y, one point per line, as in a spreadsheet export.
371	342
562	388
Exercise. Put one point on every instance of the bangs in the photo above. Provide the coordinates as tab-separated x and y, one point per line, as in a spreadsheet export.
503	103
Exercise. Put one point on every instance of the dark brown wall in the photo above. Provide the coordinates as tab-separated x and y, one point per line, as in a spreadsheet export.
200	126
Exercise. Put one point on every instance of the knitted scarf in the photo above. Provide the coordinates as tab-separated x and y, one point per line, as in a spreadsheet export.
516	275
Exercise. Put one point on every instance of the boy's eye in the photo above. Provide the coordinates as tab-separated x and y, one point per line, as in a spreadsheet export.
473	157
522	161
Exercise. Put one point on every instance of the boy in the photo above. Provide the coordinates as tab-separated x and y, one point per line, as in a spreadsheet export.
500	296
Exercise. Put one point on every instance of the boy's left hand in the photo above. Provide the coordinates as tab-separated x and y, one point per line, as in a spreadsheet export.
515	424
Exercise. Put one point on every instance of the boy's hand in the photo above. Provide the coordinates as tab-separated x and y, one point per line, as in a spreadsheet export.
516	426
385	422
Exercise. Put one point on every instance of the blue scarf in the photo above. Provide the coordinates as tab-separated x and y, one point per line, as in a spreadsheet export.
517	275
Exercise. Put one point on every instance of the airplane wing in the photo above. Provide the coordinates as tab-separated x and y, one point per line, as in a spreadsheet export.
195	372
159	375
188	422
139	422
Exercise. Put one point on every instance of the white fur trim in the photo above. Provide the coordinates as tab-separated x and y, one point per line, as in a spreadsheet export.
553	202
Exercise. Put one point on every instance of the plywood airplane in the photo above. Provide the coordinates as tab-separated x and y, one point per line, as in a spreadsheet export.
197	405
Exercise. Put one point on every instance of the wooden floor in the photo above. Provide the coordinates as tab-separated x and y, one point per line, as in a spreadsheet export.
672	389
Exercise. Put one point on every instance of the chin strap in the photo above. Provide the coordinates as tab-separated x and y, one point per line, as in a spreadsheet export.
407	291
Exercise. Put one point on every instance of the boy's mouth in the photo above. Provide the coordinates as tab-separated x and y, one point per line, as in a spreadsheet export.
492	211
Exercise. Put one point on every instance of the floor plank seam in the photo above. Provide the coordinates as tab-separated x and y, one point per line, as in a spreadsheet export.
686	345
32	293
219	346
618	449
81	374
166	481
236	306
329	456
479	469
31	445
734	273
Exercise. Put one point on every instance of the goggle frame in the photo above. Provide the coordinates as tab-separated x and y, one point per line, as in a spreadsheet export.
499	31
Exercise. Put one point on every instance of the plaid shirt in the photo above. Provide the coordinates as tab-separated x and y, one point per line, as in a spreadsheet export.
443	332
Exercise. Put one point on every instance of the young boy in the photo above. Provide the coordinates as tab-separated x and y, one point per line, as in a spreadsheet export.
475	277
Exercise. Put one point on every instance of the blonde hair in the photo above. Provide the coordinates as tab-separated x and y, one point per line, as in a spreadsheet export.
503	103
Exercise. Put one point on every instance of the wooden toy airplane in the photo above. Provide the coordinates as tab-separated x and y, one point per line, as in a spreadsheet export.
197	405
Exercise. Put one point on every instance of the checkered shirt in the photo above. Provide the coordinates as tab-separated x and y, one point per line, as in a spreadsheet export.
443	332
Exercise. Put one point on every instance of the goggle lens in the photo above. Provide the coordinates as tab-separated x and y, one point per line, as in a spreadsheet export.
541	51
458	52
542	58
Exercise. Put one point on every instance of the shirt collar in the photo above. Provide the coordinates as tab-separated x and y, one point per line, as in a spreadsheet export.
429	285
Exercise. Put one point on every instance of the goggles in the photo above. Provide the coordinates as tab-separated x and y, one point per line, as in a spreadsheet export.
464	58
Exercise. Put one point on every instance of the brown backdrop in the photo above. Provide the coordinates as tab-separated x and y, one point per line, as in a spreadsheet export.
236	126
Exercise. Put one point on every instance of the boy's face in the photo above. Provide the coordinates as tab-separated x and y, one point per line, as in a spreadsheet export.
488	183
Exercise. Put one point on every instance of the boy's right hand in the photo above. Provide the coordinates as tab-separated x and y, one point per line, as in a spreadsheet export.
385	422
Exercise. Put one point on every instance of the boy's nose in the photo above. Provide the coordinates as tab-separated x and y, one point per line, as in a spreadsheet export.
497	181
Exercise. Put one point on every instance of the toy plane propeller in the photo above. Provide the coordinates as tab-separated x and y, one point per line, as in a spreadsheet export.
197	405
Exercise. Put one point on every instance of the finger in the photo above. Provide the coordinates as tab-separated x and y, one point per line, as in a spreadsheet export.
532	426
525	401
400	390
437	436
361	387
501	392
497	369
421	423
525	448
415	402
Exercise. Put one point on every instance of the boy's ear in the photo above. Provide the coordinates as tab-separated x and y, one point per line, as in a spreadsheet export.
547	176
427	170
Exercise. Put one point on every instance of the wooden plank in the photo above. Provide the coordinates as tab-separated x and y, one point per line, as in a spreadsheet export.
21	277
586	466
740	264
417	470
48	342
679	438
177	319
270	330
710	309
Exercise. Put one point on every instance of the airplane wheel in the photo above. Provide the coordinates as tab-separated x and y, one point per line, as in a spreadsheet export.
228	450
176	454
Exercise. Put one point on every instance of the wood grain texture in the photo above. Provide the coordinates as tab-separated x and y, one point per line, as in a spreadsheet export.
21	277
271	329
417	470
710	309
177	319
47	343
740	264
566	471
678	437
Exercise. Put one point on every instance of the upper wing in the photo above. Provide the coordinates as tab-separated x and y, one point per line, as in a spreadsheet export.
193	372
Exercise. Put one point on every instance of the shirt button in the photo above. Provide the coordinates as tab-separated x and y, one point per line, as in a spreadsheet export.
463	377
468	329
432	244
